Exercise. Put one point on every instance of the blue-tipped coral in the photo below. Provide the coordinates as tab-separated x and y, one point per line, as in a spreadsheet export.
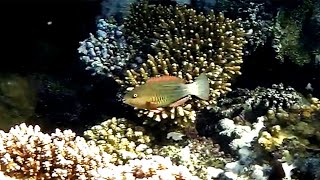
106	52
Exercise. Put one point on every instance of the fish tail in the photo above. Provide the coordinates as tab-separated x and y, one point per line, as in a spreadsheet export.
200	87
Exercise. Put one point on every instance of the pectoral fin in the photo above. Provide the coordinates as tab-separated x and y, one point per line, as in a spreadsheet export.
151	105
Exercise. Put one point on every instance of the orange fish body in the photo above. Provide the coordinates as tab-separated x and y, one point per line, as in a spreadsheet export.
166	91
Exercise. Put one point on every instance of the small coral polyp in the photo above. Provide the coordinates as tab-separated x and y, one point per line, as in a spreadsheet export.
186	43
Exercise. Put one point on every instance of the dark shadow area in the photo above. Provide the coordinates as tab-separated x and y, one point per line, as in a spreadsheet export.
40	38
262	69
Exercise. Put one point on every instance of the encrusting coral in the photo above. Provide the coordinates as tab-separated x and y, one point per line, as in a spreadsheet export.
121	139
28	153
196	153
289	37
296	127
292	135
184	44
250	104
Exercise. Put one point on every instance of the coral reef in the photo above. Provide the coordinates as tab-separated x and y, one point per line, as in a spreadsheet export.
242	140
198	154
120	138
295	127
293	135
254	103
271	130
256	134
107	51
156	167
185	44
288	38
4	177
27	153
257	19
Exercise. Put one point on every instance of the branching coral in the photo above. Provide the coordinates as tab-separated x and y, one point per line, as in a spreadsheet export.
155	167
26	152
120	139
106	52
185	44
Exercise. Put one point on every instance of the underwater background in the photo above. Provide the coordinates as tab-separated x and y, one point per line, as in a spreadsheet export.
66	67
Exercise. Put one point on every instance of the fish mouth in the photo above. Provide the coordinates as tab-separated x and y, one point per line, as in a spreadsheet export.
126	102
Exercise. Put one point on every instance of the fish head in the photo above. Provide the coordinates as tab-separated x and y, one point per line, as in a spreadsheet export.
136	98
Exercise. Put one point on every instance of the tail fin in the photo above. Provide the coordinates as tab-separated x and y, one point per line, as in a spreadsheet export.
200	87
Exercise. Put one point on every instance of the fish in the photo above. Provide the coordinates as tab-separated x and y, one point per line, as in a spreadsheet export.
167	91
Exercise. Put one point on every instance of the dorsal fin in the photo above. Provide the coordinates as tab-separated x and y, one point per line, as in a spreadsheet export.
165	79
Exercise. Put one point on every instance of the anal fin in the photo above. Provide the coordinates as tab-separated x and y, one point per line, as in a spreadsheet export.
180	102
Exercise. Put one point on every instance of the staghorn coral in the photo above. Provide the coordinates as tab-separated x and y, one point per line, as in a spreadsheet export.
26	152
185	44
121	139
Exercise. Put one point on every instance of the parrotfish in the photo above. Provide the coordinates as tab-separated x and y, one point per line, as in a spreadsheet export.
167	91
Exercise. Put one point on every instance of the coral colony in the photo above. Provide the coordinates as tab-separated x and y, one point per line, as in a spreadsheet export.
252	133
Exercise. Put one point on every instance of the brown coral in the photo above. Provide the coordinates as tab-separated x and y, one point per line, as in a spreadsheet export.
186	44
26	152
296	127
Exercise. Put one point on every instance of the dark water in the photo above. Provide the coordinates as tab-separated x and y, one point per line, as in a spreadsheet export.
39	56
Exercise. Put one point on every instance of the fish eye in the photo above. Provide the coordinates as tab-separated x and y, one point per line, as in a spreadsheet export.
135	95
